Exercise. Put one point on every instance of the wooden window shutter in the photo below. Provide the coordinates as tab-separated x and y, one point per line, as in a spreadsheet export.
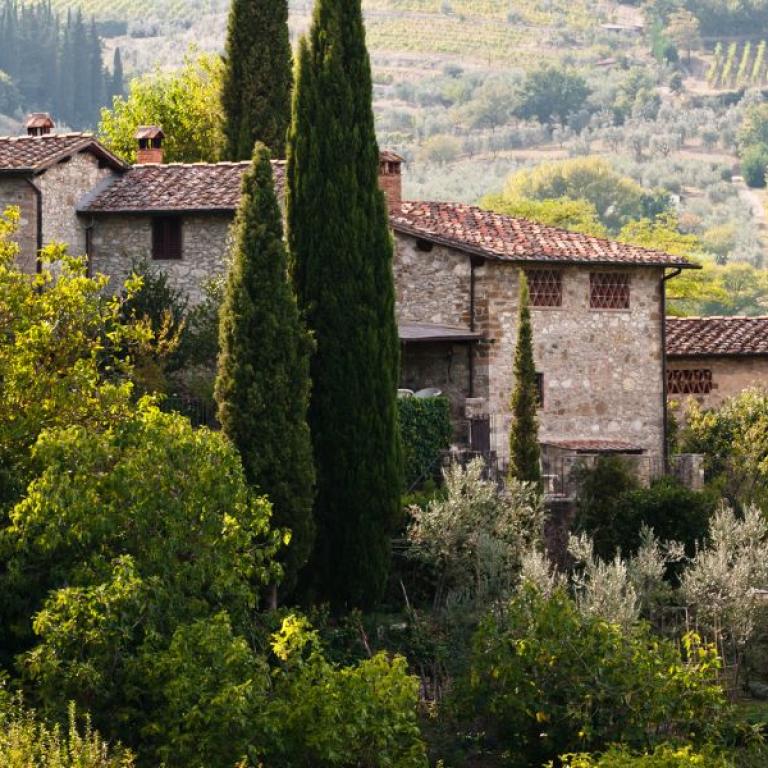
166	238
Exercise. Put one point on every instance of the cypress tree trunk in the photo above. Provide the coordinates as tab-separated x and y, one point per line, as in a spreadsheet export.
524	434
262	384
342	251
256	89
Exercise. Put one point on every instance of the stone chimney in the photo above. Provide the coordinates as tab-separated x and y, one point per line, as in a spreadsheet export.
39	124
390	177
150	138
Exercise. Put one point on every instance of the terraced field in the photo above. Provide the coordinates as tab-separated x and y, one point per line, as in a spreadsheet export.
487	32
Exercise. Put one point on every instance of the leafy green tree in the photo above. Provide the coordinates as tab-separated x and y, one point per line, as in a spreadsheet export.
524	449
186	103
126	535
730	289
262	386
754	128
734	440
754	164
342	266
683	29
256	84
617	199
61	359
565	212
545	679
550	94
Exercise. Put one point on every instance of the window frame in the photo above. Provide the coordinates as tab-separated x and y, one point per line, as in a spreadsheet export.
539	389
701	385
534	295
606	275
165	245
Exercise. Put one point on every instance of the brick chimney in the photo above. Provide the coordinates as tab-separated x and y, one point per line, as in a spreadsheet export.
39	124
150	138
390	177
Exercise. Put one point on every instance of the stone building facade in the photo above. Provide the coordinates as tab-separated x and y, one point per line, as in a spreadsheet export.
710	359
597	306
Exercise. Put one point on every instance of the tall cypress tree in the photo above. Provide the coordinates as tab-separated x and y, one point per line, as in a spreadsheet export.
262	385
524	434
256	90
117	87
342	265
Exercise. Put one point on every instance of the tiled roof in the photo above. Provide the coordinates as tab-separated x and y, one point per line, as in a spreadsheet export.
176	187
498	236
594	446
694	336
36	153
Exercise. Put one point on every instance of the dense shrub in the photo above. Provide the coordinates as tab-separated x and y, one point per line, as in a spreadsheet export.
25	741
612	509
754	162
664	756
546	679
425	431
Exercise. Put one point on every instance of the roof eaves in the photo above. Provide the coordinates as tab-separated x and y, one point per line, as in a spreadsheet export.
155	211
88	143
491	255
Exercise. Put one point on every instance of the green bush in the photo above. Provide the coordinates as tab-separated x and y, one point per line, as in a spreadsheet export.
545	679
664	756
754	161
425	430
612	509
27	742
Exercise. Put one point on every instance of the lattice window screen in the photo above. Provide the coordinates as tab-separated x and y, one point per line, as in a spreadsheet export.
609	290
689	381
545	287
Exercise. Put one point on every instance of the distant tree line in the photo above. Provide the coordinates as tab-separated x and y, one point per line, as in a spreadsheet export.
54	65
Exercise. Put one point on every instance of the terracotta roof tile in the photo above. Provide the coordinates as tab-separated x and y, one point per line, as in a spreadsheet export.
499	236
35	153
176	187
699	336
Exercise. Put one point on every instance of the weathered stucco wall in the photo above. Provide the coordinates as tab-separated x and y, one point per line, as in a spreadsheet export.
15	191
730	375
63	185
120	241
602	368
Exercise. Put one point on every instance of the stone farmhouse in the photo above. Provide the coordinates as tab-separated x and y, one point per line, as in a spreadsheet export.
598	306
713	358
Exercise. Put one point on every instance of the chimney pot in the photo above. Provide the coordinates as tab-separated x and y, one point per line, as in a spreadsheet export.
150	140
390	177
39	124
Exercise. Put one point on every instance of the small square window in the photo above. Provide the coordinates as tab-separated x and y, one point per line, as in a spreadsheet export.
545	287
689	381
166	238
609	290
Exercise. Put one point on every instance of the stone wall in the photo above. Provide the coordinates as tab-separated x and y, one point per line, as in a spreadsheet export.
730	375
119	241
441	365
63	186
602	368
432	286
15	191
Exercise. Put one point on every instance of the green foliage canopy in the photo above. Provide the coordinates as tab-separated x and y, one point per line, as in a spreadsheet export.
550	94
185	103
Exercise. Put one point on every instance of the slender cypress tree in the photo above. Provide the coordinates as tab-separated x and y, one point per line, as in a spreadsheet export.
256	91
342	266
262	384
524	434
117	87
